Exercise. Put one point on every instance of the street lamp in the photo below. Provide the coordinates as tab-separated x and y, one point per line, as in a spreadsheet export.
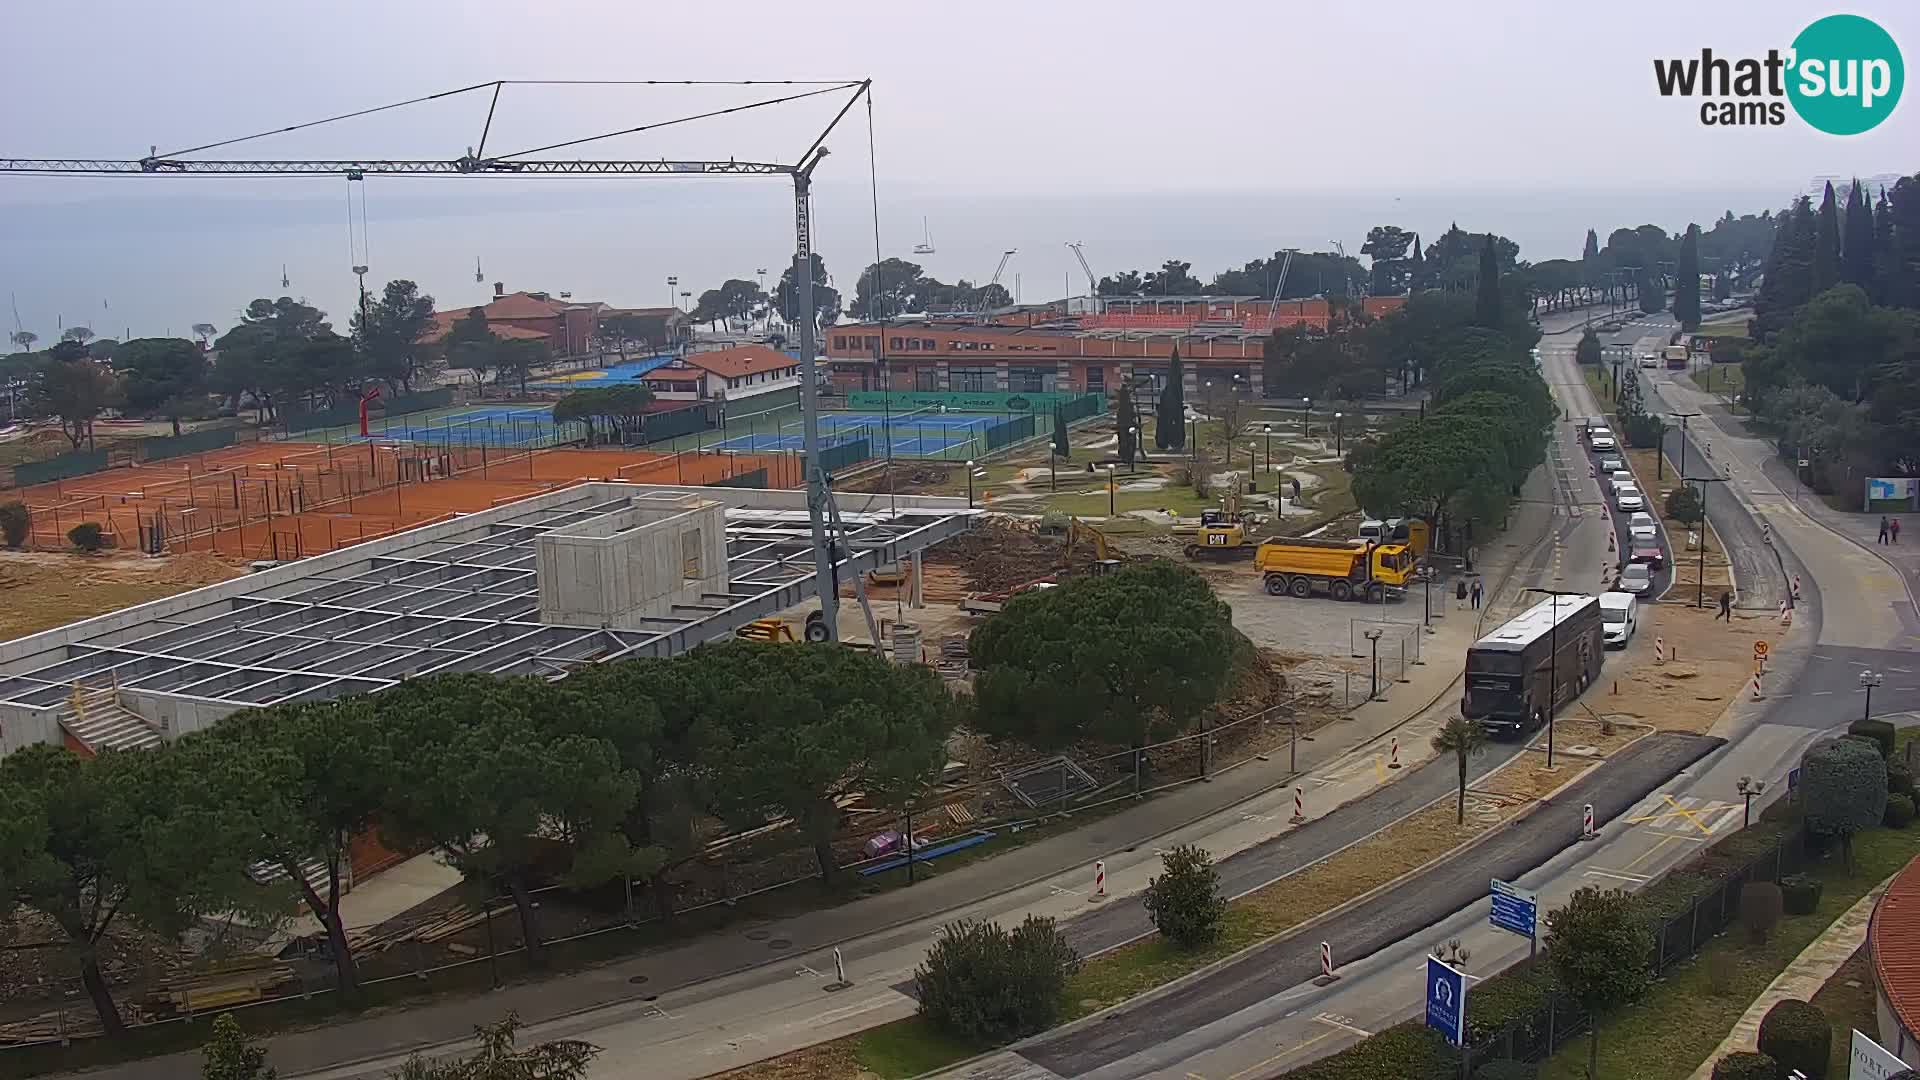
1869	680
1553	661
1748	788
1110	507
1267	430
1306	415
673	285
1139	450
969	483
1253	468
1339	433
1373	687
1683	417
1700	590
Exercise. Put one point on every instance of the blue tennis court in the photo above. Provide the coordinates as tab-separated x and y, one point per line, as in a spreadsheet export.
913	434
480	426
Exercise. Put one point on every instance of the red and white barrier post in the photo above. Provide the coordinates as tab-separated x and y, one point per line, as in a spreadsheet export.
1299	809
1587	831
1659	650
1393	759
1326	965
1099	881
1754	685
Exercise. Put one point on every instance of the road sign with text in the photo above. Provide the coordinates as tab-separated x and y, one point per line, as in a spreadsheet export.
1514	909
1446	1000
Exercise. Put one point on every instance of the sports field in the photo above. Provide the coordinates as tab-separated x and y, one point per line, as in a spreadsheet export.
506	426
922	434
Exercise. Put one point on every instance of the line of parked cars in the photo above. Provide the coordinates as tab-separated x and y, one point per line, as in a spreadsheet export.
1619	608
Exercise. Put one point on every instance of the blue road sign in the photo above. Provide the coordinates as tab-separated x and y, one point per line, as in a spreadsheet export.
1793	780
1446	1000
1515	909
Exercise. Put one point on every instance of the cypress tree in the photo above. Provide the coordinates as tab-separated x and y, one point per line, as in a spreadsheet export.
1826	245
1416	268
1789	271
1686	286
1903	276
1061	447
1486	307
1856	249
1125	420
1170	420
1884	260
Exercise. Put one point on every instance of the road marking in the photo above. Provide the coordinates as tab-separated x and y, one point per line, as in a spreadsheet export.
1901	670
1058	891
1658	845
1637	878
1344	1024
807	972
1288	1052
1821	693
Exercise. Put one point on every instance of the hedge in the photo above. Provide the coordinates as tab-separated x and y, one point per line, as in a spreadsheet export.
1800	894
1746	1065
1409	1051
1899	812
1880	731
1797	1035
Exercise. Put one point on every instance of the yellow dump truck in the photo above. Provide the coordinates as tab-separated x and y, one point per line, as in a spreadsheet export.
1342	569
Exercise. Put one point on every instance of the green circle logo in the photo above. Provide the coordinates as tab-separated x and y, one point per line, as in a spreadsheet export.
1846	75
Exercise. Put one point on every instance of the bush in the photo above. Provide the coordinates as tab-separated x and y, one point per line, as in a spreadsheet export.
1402	1052
1506	1070
1799	894
16	522
1683	505
87	536
1843	785
1899	778
1899	813
1746	1065
1760	907
985	983
1880	731
1797	1035
1185	901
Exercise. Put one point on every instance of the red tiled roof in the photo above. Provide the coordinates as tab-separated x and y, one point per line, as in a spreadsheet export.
520	305
741	360
1895	937
443	325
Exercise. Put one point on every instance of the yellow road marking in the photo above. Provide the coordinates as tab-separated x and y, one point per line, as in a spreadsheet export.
1689	815
1287	1053
1651	852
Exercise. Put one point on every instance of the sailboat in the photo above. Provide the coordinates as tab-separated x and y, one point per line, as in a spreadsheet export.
925	246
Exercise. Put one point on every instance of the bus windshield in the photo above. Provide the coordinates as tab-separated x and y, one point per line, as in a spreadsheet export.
1493	662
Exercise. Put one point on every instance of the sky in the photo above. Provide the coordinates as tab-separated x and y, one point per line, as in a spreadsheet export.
1145	131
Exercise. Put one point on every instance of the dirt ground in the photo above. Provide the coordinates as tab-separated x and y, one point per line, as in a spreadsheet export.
1686	558
1710	661
41	590
828	1061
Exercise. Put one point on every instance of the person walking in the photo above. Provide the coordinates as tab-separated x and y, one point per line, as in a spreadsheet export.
1460	594
1893	527
1479	591
1883	530
1726	606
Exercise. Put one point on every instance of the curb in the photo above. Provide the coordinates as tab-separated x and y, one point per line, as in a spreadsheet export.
1342	908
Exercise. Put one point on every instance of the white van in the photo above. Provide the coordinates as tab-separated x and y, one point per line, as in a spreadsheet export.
1619	618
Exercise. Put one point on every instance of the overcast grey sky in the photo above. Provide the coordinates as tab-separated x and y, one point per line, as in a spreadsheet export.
1215	133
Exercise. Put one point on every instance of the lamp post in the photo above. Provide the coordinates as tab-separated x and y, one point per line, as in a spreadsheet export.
1700	586
1253	467
1373	686
1139	449
969	483
1339	433
673	286
1110	507
1553	661
1426	617
1267	430
1306	415
1683	417
1748	788
1869	680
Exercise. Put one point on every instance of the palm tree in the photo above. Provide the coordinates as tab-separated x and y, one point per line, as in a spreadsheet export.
1462	738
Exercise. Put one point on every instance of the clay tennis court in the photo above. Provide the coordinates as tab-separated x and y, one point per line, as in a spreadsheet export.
287	500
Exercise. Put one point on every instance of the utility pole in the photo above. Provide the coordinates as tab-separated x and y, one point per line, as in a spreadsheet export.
1683	417
810	393
1700	586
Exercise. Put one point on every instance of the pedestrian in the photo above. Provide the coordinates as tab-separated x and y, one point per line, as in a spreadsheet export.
1726	606
1296	489
1460	594
1894	527
1479	590
1883	530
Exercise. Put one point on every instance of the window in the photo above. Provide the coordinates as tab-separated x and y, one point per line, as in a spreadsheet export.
839	341
1096	380
894	344
927	343
1030	380
913	344
973	379
926	378
690	553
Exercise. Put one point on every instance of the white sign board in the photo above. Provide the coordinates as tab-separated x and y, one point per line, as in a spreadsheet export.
1868	1060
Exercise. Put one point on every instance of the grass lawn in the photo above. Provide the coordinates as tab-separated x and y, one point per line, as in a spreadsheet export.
1598	385
908	1048
1671	1030
1725	380
1847	999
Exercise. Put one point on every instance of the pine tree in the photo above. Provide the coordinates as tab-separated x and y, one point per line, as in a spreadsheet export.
1170	421
1416	269
1903	278
1686	285
1486	307
1884	259
1826	245
1856	252
1590	262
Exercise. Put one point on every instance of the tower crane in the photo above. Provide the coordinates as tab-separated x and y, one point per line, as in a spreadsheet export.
524	165
997	271
1093	287
1273	308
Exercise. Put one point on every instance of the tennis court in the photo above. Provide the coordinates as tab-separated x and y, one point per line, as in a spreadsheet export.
926	433
523	426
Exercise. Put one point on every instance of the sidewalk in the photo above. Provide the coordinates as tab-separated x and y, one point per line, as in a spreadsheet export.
1803	978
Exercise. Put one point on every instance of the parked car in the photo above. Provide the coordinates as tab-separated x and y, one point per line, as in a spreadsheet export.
1641	526
1636	578
1652	556
1628	498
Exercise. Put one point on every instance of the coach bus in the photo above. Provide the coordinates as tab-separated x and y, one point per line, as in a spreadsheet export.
1509	670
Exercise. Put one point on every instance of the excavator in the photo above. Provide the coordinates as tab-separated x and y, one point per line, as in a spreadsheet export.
1079	532
1225	534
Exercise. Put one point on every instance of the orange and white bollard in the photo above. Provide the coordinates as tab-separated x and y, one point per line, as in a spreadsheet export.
1754	685
1099	880
1659	650
1586	823
1393	759
1326	964
1299	808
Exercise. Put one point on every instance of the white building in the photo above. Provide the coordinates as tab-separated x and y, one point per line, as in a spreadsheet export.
725	375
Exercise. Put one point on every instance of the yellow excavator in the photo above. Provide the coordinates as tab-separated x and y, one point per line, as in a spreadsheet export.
1079	532
1225	535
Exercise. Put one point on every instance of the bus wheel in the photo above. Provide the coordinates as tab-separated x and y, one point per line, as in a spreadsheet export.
1341	591
1276	584
1301	587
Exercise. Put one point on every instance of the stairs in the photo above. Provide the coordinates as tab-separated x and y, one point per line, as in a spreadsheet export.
314	870
95	719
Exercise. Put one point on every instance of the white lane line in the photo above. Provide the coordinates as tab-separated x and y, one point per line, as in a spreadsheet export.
1343	1023
1621	876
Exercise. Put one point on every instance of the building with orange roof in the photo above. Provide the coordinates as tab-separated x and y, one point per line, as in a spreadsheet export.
1893	937
725	374
566	327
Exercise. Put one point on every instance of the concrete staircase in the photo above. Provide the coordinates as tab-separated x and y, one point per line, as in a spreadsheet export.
314	870
94	718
